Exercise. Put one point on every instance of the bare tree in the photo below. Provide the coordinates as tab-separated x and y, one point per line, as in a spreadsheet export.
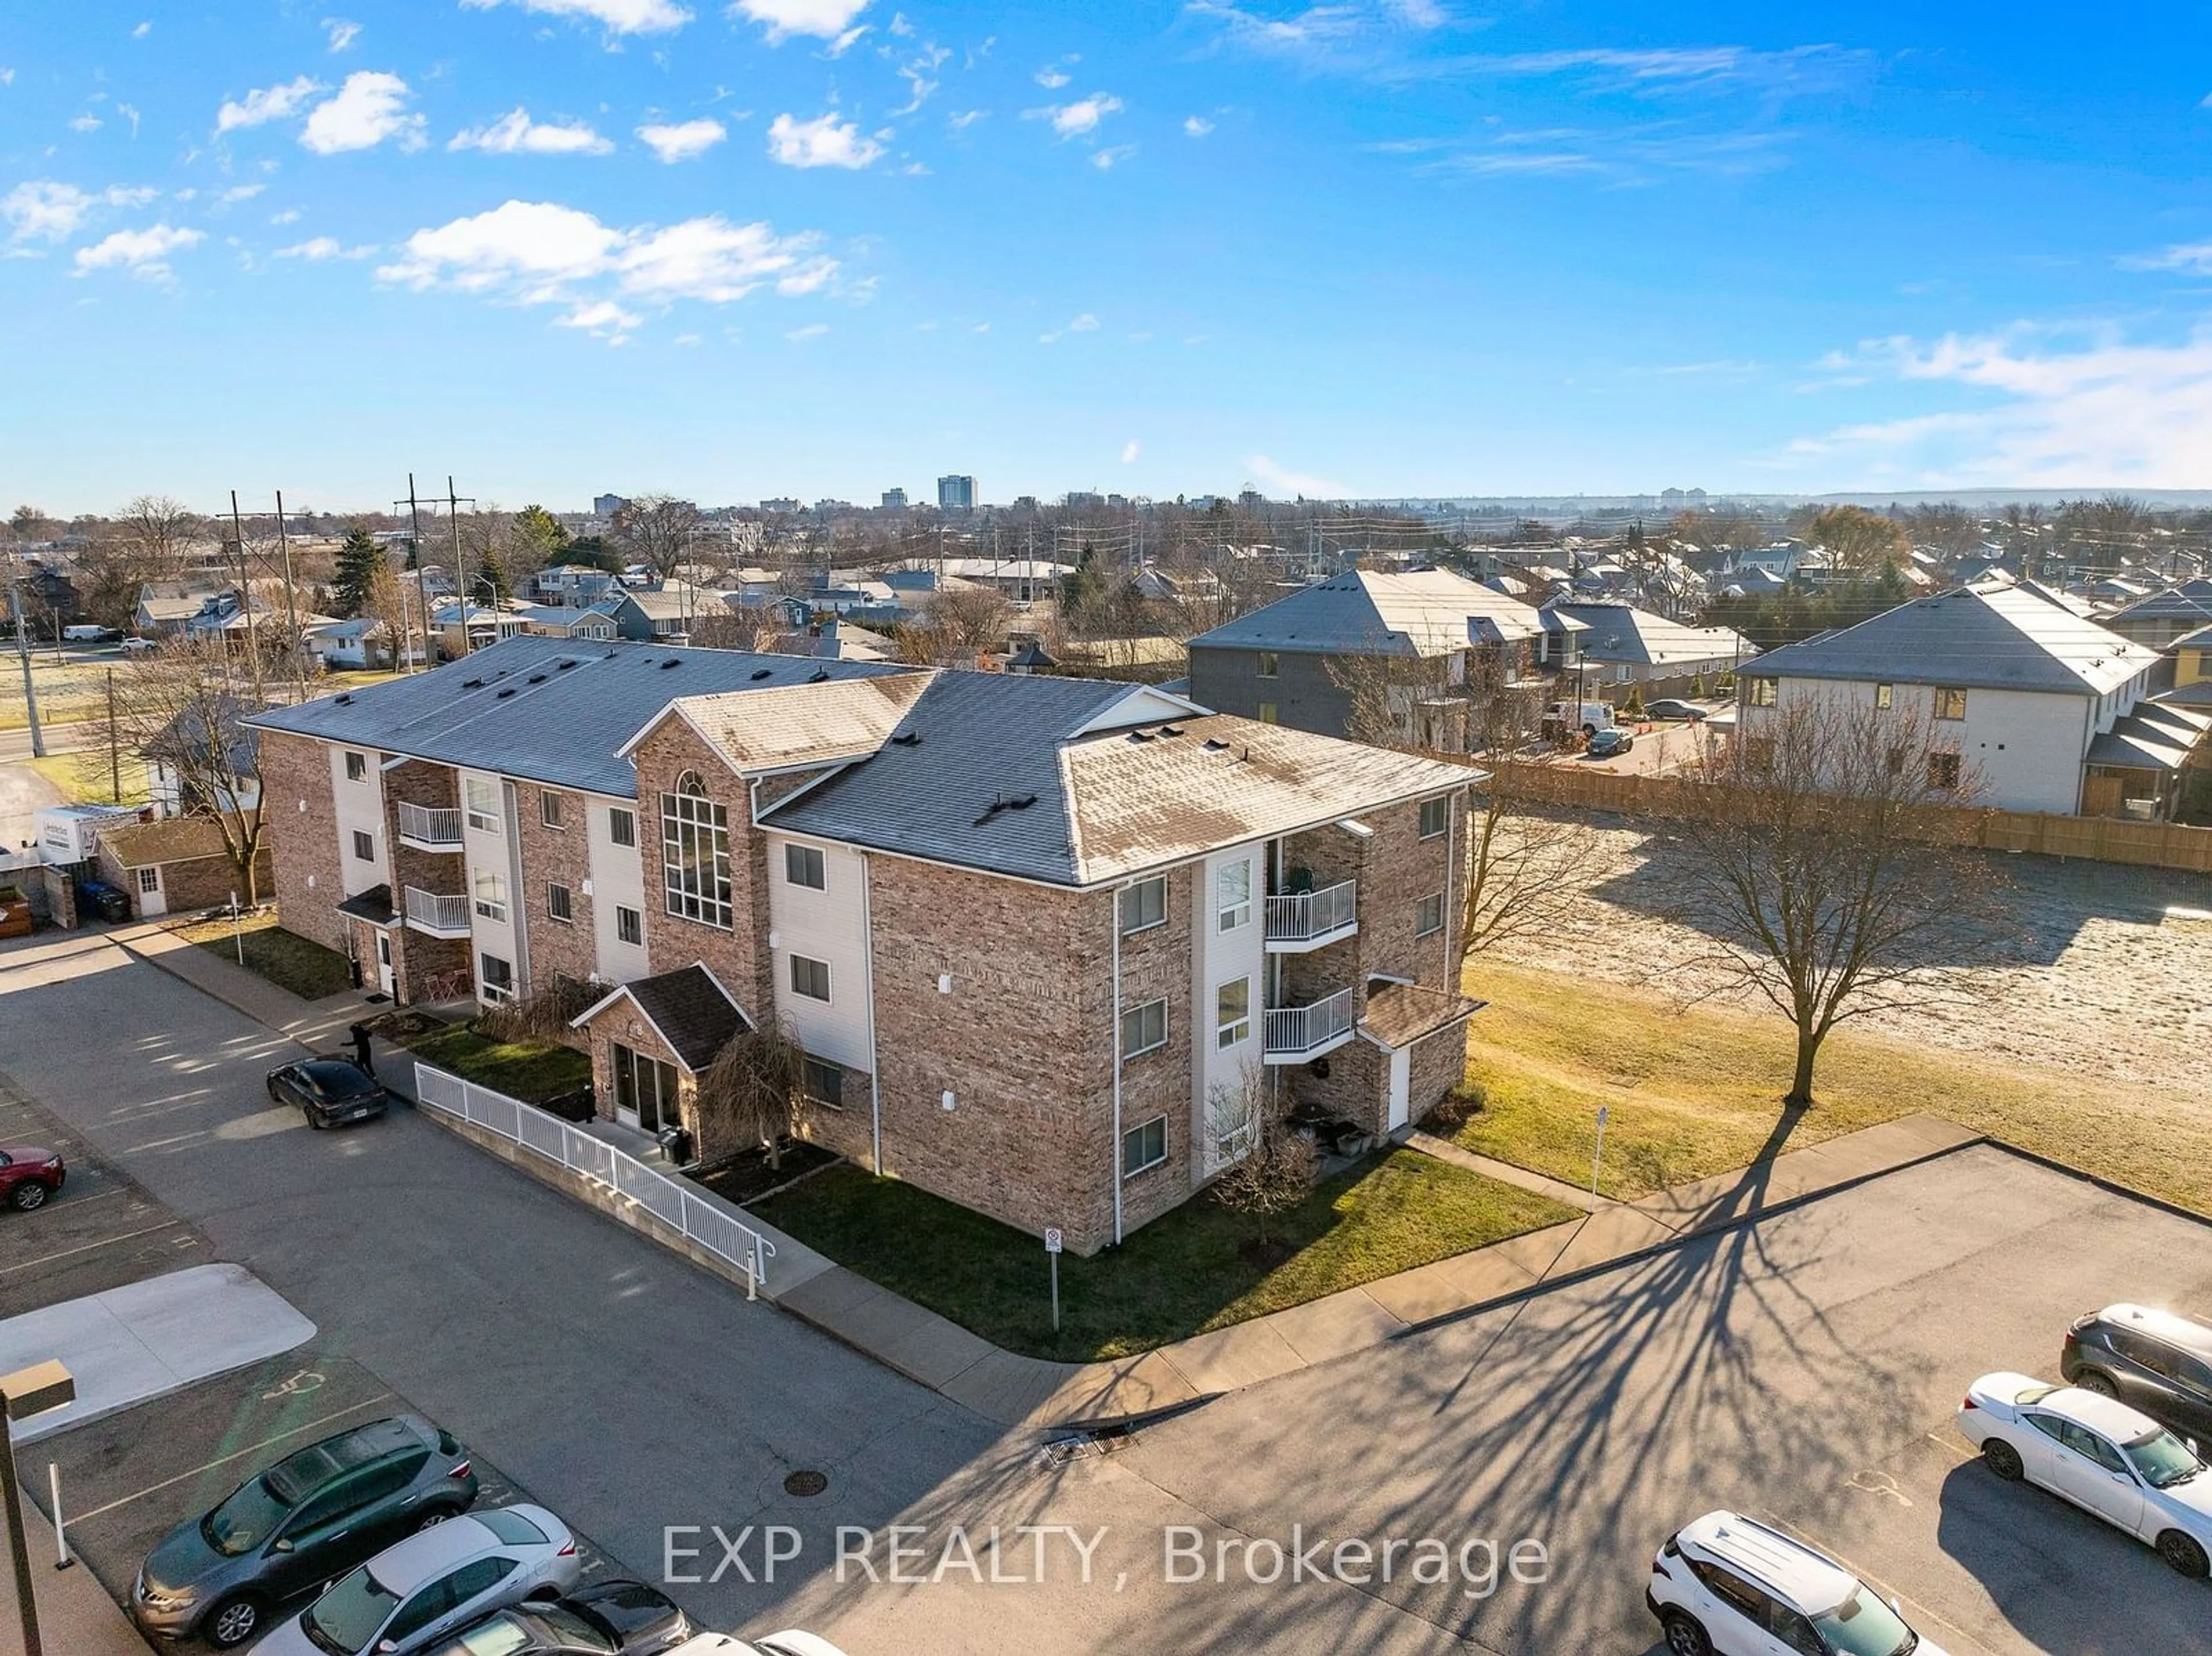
160	526
181	707
1829	868
1859	540
385	605
654	531
960	621
755	627
754	1094
1269	1165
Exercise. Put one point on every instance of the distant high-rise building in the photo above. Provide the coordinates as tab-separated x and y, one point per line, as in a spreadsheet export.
605	506
784	503
1251	499
956	494
1083	497
894	500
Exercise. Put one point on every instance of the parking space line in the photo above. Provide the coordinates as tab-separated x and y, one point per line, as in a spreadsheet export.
105	1241
251	1449
1954	1632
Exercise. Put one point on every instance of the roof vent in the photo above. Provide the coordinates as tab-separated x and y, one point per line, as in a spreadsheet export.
346	701
819	676
472	684
672	661
505	693
564	665
1023	803
1214	744
907	739
1141	735
539	678
1170	729
762	673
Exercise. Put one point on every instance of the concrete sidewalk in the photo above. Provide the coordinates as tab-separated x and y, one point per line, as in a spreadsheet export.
1018	1391
76	1616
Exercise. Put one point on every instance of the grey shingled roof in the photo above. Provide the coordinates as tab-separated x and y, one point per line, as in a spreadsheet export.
2174	604
1368	613
688	1006
559	725
1997	638
1622	632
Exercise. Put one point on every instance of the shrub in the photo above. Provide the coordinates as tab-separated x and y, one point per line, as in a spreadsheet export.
1455	1109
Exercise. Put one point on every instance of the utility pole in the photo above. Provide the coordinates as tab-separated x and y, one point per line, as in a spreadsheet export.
23	653
422	597
246	608
114	745
295	645
460	563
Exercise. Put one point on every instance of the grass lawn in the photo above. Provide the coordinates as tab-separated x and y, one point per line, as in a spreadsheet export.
87	776
307	969
1697	1093
521	1069
1181	1274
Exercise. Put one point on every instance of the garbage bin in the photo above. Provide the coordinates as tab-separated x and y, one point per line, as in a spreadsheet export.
103	900
676	1145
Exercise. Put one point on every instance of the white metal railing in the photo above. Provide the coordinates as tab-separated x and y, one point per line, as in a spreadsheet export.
711	1225
437	913
1302	1029
430	825
1300	917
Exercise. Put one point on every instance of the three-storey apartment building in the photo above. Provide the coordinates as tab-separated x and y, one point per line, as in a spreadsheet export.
1030	931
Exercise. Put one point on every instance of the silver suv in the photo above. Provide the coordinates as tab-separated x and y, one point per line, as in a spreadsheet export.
1731	1585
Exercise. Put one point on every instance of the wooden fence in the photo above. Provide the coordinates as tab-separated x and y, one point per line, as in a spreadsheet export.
2096	839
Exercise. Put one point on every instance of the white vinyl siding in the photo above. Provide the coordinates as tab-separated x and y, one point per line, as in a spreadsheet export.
617	891
826	923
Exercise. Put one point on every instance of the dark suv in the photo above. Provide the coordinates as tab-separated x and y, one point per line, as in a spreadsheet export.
2153	1361
314	1514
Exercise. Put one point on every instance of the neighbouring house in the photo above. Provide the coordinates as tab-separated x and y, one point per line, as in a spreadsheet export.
2050	710
486	625
164	607
175	865
1295	661
1029	931
180	757
2162	617
574	584
668	612
832	640
1020	580
2193	669
360	642
1624	645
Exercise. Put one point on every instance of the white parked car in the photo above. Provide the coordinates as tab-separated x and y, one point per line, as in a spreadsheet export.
1729	1585
133	646
790	1642
2099	1454
441	1578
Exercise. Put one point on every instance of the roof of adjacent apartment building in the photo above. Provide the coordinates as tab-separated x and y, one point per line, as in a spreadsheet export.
2174	604
1434	612
1999	638
1077	781
2156	735
512	706
1621	633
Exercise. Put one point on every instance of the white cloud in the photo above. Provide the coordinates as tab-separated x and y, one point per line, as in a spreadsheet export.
960	120
617	16
825	18
845	42
314	250
1197	125
1106	160
42	209
981	327
342	34
811	330
1292	482
682	141
144	253
2194	256
604	319
142	31
1130	449
87	122
129	112
8	76
289	215
2077	406
1053	79
1084	323
241	192
370	107
274	103
824	141
540	253
515	133
1078	118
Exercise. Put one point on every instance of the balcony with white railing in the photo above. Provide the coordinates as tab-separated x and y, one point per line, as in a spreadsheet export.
439	915
429	828
1295	1034
1301	921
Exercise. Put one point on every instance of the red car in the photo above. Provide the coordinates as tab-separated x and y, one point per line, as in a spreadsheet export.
28	1177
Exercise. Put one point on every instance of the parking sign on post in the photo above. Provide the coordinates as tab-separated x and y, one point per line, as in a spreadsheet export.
1052	1241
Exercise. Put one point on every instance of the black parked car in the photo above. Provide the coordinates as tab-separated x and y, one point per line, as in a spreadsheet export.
2153	1361
314	1514
328	1091
617	1617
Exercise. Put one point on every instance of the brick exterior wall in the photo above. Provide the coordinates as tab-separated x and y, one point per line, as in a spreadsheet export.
1439	1065
303	845
1304	690
622	1022
201	883
738	956
552	855
416	957
1154	964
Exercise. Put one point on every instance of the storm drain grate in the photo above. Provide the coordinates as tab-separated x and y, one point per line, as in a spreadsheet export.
806	1481
1104	1440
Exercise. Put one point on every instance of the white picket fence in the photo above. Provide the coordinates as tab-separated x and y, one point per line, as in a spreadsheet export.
712	1226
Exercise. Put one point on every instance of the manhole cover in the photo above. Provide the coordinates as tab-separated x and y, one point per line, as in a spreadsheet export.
806	1481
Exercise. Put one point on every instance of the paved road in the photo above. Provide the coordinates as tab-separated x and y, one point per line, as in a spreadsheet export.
23	794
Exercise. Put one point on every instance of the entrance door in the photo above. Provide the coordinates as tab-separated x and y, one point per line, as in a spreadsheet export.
385	978
152	899
645	1091
1401	1087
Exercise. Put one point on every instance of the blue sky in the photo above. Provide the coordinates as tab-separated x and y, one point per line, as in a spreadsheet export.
1365	246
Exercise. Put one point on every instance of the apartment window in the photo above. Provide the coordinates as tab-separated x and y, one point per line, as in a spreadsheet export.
149	880
1232	894
1233	1012
1950	703
1762	692
1885	696
1144	906
825	1083
1429	918
1144	1145
810	978
549	810
557	903
496	976
695	845
629	926
621	825
356	768
1943	771
1267	711
802	865
1270	663
364	846
1435	817
481	796
491	895
1143	1028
